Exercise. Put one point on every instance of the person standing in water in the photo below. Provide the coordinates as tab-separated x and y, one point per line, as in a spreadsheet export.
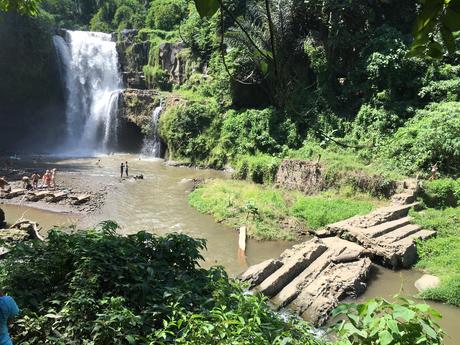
126	169
8	310
122	168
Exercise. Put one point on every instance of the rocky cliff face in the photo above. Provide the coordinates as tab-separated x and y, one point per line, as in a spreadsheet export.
137	106
173	60
133	54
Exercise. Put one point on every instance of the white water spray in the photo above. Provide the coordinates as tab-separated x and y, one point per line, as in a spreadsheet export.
89	66
152	146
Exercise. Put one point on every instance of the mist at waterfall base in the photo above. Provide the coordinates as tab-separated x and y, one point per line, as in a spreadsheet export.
92	81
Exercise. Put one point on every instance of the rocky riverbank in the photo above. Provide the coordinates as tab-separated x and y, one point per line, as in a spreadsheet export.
76	192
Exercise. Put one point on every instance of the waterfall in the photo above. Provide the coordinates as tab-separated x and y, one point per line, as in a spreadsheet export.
152	146
89	68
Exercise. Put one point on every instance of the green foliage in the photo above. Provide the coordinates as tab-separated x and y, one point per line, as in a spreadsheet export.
381	322
199	34
157	77
441	193
249	131
230	202
272	213
433	135
439	255
190	130
97	287
166	14
207	8
435	27
319	211
24	7
259	168
372	124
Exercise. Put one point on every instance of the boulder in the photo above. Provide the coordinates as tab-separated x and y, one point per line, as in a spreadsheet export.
427	282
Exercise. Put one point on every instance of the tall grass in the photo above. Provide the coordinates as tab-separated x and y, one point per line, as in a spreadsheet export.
272	213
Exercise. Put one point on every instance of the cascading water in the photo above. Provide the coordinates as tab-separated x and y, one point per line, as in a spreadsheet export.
89	67
152	146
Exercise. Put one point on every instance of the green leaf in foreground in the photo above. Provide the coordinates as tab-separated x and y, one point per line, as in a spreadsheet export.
207	8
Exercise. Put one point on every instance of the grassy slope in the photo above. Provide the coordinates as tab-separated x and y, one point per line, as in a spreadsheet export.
274	213
441	255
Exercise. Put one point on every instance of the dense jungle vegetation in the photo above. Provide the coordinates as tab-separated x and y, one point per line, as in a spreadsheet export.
335	73
333	81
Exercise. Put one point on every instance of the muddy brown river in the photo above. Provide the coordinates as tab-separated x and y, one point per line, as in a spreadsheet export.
158	203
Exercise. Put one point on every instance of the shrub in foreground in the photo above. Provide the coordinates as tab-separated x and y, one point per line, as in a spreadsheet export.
97	287
381	322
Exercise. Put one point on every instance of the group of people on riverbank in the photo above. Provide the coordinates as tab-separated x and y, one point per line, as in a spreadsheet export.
33	182
48	180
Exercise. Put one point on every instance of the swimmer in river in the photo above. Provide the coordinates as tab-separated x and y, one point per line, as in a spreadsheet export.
122	168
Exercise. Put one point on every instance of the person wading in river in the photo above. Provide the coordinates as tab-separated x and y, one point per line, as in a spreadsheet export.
8	310
126	169
122	168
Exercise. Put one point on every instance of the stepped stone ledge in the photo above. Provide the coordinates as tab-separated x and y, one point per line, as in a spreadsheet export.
313	277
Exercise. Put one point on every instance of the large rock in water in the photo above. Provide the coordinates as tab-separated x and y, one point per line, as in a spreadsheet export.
312	277
427	282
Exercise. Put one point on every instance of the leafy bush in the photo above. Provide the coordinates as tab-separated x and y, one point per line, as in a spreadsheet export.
439	255
441	193
248	132
433	135
166	14
97	287
259	168
319	211
381	322
373	124
190	130
157	77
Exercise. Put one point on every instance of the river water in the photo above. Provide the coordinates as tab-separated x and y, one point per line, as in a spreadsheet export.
158	203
